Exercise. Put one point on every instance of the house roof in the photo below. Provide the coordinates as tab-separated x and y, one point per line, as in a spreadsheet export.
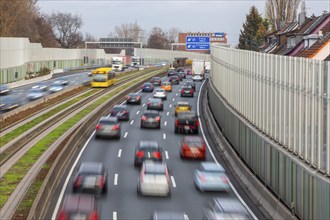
309	52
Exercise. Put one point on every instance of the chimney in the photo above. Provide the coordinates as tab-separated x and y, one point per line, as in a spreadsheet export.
302	18
320	34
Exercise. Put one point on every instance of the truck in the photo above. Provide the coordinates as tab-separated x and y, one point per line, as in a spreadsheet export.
198	67
135	61
118	63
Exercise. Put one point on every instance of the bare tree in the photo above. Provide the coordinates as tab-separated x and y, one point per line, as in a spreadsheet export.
158	39
66	29
277	11
173	34
131	30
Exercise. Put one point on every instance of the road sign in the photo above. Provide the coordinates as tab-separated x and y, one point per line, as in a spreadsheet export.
198	46
190	39
219	34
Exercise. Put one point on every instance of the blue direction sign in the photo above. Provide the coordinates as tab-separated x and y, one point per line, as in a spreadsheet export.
219	34
198	46
190	39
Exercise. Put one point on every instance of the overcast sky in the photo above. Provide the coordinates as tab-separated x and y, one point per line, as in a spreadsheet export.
101	16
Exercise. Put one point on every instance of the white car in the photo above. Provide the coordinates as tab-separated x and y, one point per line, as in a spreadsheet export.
160	93
154	179
197	77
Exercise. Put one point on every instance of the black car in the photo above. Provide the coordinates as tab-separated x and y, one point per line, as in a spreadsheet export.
147	150
187	91
180	69
155	104
157	81
190	83
174	80
171	73
186	122
133	98
147	87
91	177
120	111
181	75
150	119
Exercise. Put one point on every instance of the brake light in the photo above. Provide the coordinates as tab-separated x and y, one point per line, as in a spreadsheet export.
191	91
101	181
140	154
185	147
176	122
116	127
138	97
62	216
126	97
157	118
144	118
78	181
98	127
182	91
197	123
94	216
157	155
112	113
204	148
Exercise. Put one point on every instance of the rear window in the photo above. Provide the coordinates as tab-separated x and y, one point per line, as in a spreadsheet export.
187	116
151	114
108	122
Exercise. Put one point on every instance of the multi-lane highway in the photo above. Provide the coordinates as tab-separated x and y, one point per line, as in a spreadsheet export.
122	201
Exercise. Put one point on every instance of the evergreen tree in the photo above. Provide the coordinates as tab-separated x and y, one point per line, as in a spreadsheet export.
254	29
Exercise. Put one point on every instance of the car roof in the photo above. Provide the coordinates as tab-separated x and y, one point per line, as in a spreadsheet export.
154	167
211	166
230	205
183	103
185	114
151	111
79	202
160	89
163	215
91	167
148	144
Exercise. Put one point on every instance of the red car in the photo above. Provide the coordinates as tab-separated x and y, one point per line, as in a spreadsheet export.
79	206
193	147
188	72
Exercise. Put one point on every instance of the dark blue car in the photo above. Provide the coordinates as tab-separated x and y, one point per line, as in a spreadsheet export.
147	87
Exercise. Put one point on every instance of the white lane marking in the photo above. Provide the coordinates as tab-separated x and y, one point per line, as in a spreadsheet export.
123	103
174	98
164	136
114	215
149	99
167	113
125	135
60	198
170	105
137	112
165	123
132	122
119	153
215	159
166	155
143	104
148	154
173	181
115	181
176	95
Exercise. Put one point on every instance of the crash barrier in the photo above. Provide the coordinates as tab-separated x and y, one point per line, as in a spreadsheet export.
291	181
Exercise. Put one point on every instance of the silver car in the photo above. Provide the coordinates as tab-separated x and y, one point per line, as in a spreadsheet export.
55	87
35	94
108	127
211	176
160	93
154	179
150	119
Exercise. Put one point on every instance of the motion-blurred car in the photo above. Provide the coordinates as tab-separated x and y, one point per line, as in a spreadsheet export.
182	106
167	86
154	179
181	75
171	73
63	81
91	177
4	89
211	176
35	94
197	77
193	147
133	98
55	87
79	206
120	111
147	87
147	150
41	86
187	91
191	84
155	104
186	122
150	119
160	93
162	215
108	127
174	80
157	81
225	208
8	103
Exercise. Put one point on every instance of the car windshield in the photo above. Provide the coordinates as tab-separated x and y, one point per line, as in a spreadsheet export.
160	90
108	122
